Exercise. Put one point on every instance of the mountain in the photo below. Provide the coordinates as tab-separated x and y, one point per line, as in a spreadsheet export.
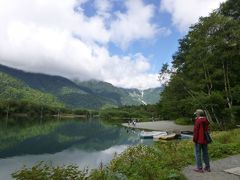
123	96
89	94
13	89
63	89
152	95
120	96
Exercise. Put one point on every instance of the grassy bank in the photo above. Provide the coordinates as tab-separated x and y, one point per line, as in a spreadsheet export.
184	121
163	160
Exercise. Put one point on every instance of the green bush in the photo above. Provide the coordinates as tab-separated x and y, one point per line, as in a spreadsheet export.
184	121
42	171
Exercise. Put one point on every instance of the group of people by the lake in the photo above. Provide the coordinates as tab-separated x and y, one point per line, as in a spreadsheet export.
132	122
201	144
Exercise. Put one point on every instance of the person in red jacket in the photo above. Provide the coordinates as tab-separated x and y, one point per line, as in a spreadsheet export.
201	146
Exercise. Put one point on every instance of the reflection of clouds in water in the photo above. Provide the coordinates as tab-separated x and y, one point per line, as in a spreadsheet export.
70	156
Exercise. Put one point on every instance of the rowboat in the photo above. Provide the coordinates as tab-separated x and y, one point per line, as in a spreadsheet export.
150	134
186	136
165	136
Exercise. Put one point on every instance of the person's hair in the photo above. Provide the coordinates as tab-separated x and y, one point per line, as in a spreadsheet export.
200	112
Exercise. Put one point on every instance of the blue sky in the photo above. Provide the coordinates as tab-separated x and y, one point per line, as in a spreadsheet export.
121	42
158	49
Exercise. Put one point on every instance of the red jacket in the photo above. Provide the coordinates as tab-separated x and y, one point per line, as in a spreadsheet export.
198	133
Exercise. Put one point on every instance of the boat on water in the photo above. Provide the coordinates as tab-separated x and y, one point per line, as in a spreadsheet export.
186	136
165	136
151	134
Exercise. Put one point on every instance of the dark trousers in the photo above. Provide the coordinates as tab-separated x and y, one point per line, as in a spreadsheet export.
201	152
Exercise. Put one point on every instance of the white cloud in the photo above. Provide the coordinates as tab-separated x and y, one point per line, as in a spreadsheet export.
187	12
103	7
130	72
141	82
49	37
134	24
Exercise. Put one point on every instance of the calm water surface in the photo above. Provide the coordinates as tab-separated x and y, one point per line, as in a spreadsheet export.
82	142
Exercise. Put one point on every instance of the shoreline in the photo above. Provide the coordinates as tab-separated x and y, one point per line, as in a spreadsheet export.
169	126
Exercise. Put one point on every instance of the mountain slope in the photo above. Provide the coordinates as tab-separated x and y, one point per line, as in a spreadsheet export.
42	82
123	96
90	94
152	95
65	90
13	89
103	89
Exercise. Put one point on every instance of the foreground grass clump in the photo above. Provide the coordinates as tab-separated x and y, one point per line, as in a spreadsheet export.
163	160
225	143
43	171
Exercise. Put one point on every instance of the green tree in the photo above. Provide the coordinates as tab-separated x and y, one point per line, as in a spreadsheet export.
207	69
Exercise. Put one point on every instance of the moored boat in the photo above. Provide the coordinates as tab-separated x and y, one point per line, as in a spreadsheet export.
166	136
150	134
186	136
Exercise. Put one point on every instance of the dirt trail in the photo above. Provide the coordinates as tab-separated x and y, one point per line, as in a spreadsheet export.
217	168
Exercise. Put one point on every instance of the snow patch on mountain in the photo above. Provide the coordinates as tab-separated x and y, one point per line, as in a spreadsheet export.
138	95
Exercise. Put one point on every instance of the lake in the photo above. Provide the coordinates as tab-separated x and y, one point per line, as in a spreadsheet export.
83	142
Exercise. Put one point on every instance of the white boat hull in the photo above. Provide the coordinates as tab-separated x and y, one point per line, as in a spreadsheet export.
151	134
166	136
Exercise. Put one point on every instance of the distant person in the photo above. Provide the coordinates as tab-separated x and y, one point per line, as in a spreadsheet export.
201	146
134	122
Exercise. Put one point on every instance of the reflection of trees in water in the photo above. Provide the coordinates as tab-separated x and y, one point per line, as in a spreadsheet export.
19	131
31	137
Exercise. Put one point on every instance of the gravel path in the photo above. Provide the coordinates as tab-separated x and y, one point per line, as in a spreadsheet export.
161	126
217	168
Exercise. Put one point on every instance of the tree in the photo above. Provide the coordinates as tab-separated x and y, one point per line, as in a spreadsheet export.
207	69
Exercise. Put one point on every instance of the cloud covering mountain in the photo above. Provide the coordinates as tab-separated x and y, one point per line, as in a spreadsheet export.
81	39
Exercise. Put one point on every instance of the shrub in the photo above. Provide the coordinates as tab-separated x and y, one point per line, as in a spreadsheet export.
42	171
184	121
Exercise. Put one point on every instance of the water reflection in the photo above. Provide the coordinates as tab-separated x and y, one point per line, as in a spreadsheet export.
78	157
55	136
81	142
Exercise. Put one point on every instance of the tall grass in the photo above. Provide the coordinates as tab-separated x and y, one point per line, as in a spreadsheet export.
163	160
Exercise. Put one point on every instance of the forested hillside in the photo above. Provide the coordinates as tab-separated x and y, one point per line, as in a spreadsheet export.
152	94
90	94
63	89
122	96
12	89
206	69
